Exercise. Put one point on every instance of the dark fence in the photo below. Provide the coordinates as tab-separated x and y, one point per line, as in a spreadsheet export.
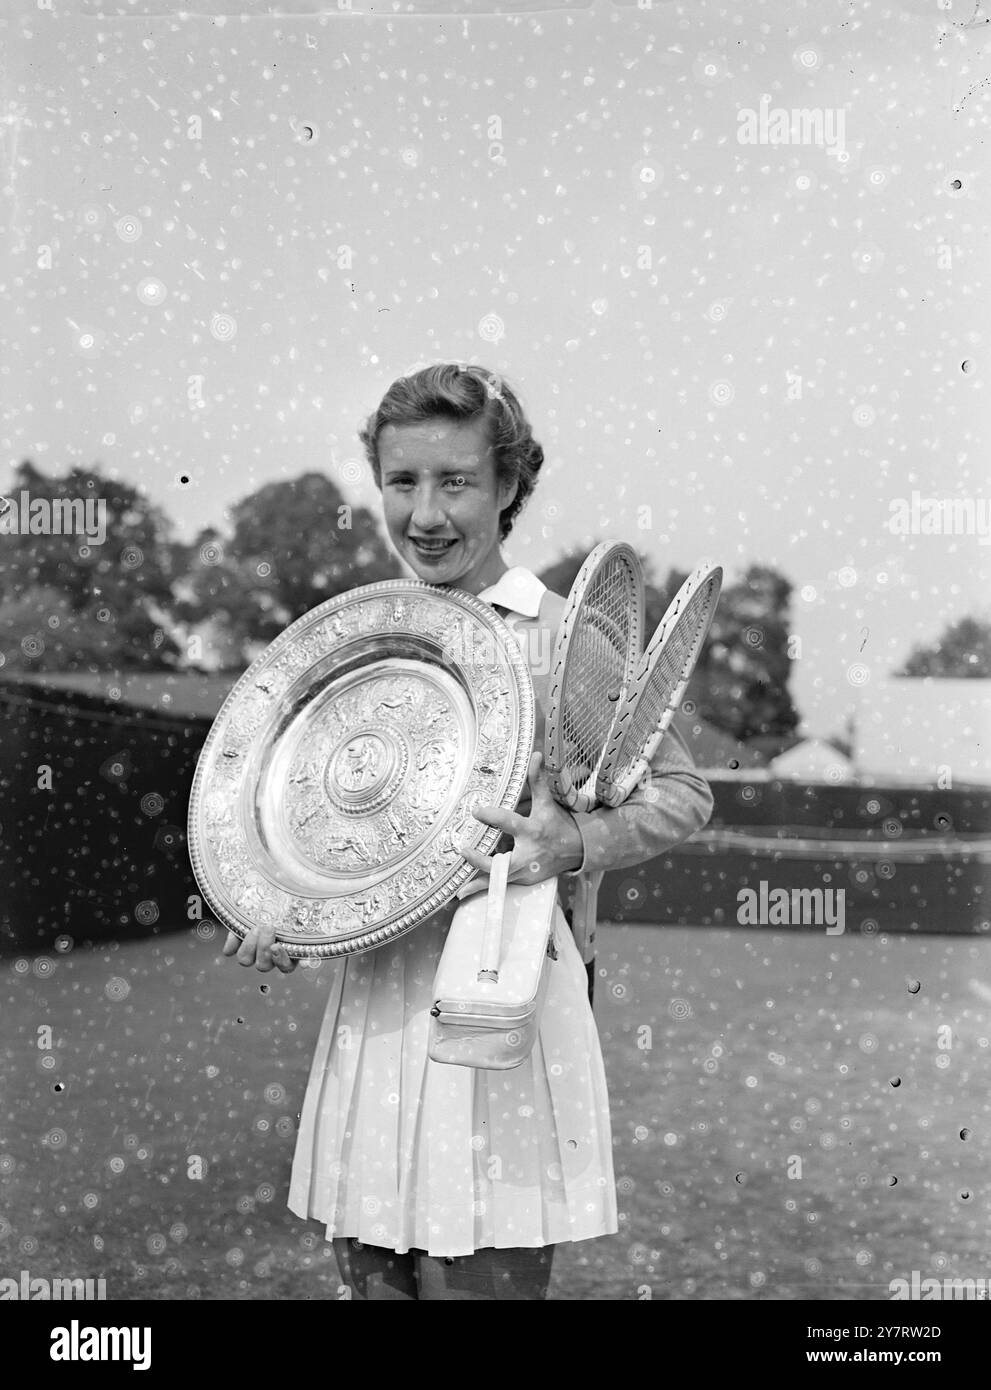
907	859
876	812
93	837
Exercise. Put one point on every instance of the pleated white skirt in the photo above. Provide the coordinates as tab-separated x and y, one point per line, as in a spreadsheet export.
405	1153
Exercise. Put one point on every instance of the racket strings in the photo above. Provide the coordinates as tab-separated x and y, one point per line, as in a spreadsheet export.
599	658
673	665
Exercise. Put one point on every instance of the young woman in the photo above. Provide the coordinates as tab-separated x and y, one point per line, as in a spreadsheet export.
445	1182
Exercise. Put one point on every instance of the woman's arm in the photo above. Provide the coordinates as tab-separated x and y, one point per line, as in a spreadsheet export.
670	803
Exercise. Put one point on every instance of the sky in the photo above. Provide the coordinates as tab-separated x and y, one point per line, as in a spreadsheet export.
226	234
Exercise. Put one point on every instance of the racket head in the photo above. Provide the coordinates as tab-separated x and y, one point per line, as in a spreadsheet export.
593	663
659	683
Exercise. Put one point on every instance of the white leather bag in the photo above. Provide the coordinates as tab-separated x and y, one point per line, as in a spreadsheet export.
493	974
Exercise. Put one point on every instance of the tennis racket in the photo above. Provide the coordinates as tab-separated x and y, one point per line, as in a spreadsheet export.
594	661
658	685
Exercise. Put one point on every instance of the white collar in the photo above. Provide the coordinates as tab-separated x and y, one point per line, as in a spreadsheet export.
518	589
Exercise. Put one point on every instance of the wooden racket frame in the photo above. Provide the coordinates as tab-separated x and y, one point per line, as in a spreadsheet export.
612	790
563	788
566	792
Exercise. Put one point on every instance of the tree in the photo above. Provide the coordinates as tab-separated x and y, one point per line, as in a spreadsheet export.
964	649
108	574
560	576
293	545
40	631
745	666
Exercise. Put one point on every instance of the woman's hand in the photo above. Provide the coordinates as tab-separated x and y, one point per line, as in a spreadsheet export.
547	842
260	949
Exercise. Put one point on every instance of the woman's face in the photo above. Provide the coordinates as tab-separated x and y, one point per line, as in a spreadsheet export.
442	501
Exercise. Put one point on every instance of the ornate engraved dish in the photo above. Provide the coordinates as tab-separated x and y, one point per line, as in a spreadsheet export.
339	776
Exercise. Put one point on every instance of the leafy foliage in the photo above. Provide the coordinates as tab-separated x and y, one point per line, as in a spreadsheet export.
66	602
964	649
293	545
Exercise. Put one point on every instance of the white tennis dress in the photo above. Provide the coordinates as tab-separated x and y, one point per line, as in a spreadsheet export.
406	1153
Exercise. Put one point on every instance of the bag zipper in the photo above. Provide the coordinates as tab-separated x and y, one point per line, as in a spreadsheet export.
495	1022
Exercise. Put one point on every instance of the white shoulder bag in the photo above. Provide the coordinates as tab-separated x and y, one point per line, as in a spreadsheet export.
493	974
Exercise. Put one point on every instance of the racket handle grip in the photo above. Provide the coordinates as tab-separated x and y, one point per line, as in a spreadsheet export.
494	912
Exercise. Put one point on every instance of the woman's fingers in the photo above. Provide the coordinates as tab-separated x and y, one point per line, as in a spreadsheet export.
246	950
533	771
507	821
260	949
538	779
282	959
263	953
481	862
481	885
519	868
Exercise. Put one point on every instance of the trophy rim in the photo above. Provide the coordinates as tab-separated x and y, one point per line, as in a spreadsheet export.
456	877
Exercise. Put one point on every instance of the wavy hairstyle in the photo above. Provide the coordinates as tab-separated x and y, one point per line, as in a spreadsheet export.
464	394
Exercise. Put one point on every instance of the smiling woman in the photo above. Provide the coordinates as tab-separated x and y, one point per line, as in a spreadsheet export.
455	458
453	1182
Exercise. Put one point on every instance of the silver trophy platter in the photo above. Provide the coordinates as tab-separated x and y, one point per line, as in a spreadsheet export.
338	779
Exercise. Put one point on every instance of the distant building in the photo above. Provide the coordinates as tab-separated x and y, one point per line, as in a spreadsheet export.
813	760
717	752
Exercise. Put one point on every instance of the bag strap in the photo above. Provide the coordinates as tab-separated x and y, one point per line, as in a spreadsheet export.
495	905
